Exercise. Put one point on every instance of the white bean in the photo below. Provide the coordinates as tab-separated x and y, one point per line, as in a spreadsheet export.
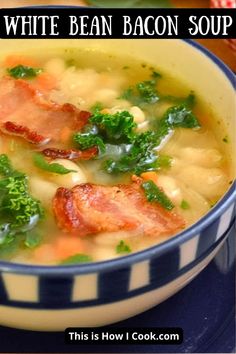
170	187
106	96
198	205
55	66
42	190
195	138
138	114
143	126
71	179
171	147
209	182
176	165
201	157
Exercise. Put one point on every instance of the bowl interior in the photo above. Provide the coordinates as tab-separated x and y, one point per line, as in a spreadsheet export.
185	60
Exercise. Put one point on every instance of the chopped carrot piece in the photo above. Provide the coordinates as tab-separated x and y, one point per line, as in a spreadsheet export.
45	82
67	246
45	253
65	134
151	176
64	247
13	60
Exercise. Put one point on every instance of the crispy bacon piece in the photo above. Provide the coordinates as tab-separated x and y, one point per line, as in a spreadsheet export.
90	209
71	154
24	132
84	117
25	111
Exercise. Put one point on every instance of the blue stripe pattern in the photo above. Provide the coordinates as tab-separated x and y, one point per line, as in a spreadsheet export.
117	280
3	293
208	238
56	292
164	267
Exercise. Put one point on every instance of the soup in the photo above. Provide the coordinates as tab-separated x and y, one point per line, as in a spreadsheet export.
101	156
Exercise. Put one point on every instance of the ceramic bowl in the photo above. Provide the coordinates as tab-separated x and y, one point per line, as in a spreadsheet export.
96	294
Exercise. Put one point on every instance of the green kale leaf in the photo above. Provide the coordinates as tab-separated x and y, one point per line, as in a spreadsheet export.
180	117
116	128
40	162
124	148
188	101
122	247
184	205
77	258
89	138
155	194
17	207
104	128
140	157
24	72
6	168
144	92
32	239
19	211
96	108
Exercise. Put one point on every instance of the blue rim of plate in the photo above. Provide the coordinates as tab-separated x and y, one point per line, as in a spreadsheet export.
157	250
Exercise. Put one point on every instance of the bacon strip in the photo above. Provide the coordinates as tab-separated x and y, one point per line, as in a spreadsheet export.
26	112
24	132
90	209
71	154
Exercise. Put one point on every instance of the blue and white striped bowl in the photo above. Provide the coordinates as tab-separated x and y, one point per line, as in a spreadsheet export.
54	298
